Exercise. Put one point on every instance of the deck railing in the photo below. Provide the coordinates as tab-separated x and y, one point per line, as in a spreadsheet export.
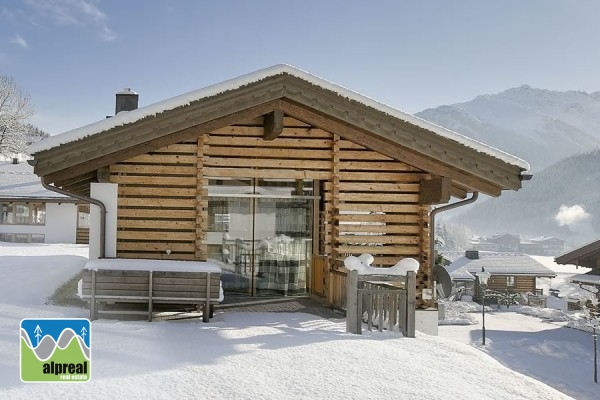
383	301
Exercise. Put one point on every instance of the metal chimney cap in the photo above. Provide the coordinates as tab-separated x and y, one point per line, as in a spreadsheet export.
127	91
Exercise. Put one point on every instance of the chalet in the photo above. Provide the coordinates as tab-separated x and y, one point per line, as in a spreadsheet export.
541	246
31	214
512	272
498	242
587	256
277	176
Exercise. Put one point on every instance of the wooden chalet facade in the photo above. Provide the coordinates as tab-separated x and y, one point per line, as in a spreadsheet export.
509	271
338	174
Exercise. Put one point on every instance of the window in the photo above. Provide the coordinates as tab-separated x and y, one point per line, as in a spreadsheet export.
6	215
22	237
22	213
510	281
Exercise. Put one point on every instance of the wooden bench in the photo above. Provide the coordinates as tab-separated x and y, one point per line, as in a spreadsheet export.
151	282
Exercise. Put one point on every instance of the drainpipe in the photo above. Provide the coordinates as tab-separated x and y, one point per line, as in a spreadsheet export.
87	200
438	210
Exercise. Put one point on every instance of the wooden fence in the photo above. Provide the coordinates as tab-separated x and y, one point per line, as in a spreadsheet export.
387	302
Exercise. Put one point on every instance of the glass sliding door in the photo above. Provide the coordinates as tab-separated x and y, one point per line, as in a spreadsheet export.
284	250
261	235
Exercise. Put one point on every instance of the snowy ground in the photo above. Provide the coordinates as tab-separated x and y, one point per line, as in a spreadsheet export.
295	355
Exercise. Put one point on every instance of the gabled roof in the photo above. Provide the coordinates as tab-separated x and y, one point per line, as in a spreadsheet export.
587	255
461	274
468	163
499	263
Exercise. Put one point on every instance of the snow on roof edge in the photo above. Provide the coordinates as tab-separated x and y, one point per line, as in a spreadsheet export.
128	117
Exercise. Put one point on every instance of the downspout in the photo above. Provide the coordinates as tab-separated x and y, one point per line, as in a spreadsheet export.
87	200
432	215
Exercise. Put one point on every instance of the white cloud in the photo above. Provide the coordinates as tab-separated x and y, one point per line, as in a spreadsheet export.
73	12
19	41
571	215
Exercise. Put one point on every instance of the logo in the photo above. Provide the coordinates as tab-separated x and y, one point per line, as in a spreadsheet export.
55	350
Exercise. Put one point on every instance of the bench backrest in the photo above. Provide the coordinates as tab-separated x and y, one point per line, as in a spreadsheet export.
165	284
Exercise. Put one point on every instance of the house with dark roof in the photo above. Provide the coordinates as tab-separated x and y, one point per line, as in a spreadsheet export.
277	175
510	272
30	213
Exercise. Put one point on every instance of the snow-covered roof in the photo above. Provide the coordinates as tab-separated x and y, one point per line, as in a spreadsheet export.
128	117
152	265
498	263
461	274
591	279
19	181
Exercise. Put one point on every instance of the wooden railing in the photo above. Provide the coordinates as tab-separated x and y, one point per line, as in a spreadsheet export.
387	302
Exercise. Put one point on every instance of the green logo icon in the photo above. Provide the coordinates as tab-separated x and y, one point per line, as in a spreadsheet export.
55	350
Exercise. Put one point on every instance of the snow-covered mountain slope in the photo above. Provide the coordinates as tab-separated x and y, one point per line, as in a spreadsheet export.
540	126
533	210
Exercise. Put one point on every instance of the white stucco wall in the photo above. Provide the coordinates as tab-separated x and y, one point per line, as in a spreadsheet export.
60	226
107	194
61	223
23	229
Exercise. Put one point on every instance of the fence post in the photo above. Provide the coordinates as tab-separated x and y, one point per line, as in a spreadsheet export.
93	305
353	321
411	287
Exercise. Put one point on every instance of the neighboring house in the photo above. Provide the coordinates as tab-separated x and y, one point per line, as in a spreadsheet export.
277	175
499	242
512	272
587	256
541	246
462	279
547	246
30	213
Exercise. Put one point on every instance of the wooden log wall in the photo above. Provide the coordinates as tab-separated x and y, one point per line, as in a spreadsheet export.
300	152
522	283
374	201
157	203
370	201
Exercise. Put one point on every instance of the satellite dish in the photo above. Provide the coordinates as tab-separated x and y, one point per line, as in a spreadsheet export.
444	282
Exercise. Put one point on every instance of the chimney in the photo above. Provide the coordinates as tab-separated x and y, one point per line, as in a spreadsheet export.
126	100
472	254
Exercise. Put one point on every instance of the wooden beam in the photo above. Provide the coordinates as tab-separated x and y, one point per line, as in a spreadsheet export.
101	160
253	96
388	148
273	125
418	140
435	191
103	174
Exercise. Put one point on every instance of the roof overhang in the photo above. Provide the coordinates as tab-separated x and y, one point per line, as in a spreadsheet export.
71	160
587	255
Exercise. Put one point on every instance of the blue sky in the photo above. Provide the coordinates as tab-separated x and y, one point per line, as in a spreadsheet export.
73	55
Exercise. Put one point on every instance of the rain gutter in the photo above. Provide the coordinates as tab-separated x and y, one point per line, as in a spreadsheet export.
87	200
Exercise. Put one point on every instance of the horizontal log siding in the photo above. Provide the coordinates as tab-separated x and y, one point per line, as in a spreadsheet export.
240	151
157	203
523	284
378	203
370	202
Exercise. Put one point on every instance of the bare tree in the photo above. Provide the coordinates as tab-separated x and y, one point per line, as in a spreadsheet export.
15	110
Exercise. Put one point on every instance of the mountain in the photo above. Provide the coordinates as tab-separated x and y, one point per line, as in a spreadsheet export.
565	193
539	126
